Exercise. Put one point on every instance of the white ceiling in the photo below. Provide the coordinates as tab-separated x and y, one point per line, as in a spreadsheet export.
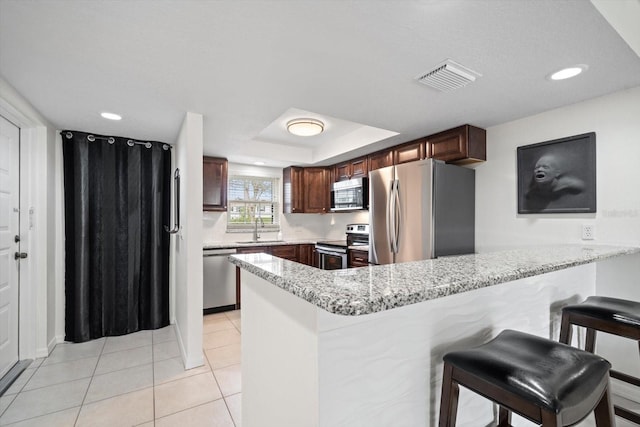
247	66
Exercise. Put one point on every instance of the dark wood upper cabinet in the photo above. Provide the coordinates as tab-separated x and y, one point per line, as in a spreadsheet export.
461	145
410	151
317	196
293	190
380	159
359	167
214	184
342	171
354	168
306	190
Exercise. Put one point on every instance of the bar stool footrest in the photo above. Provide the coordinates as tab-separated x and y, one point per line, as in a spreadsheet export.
624	377
626	414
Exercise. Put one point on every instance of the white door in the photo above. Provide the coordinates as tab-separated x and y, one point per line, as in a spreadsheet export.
9	229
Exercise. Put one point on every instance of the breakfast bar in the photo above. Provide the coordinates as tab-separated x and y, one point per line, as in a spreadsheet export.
364	346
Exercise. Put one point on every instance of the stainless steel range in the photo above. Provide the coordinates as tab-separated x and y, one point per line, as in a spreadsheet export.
332	254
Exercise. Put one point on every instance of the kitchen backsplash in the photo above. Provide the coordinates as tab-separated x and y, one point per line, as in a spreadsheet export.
293	227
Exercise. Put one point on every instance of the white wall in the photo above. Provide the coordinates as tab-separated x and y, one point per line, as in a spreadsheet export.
41	275
294	227
615	120
186	275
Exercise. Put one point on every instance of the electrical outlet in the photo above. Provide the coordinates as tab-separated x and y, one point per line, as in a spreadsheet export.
588	232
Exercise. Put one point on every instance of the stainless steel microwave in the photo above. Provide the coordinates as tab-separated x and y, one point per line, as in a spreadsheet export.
351	195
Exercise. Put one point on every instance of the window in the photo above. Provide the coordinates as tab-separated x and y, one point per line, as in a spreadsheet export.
252	198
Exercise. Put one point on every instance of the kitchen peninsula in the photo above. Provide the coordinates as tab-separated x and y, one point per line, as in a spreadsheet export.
364	346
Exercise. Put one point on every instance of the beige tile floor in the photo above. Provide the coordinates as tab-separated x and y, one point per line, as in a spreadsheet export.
132	380
139	380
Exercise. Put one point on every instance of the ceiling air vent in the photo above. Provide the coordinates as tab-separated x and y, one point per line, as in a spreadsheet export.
448	75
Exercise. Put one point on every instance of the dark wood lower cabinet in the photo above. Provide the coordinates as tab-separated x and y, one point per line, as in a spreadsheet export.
238	288
289	252
303	253
247	250
358	258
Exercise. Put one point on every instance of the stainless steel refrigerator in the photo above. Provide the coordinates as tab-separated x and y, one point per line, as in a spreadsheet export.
420	210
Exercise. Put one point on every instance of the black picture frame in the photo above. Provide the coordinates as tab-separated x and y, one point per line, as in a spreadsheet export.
558	176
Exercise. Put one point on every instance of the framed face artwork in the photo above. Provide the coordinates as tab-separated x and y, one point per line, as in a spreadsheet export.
558	176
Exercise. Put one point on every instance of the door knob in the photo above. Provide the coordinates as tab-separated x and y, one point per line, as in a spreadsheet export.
17	238
20	255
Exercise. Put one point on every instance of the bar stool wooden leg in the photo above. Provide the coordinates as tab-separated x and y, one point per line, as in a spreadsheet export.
565	330
590	343
449	401
604	410
504	417
550	419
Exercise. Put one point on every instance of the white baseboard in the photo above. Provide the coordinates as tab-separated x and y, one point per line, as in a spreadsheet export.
189	363
45	352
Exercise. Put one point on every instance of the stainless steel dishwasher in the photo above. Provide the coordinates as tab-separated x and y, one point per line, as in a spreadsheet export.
219	281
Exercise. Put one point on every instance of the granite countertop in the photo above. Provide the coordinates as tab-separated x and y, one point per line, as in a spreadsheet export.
265	242
364	290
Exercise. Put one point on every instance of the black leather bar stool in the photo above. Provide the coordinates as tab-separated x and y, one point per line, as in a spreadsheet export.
614	316
546	382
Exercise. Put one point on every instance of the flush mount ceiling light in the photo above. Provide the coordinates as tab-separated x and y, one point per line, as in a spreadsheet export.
111	116
567	73
305	127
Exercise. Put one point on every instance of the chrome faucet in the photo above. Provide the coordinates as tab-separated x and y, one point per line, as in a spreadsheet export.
256	236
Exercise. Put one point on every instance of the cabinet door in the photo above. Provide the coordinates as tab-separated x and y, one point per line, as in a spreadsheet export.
289	252
358	258
464	144
409	152
316	184
380	159
214	184
305	254
293	190
342	171
254	250
359	167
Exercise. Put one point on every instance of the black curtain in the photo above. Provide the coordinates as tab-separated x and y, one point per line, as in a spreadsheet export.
117	200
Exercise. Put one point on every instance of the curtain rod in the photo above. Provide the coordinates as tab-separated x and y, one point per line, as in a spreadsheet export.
112	140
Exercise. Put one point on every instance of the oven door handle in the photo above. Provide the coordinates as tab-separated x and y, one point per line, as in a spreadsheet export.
322	251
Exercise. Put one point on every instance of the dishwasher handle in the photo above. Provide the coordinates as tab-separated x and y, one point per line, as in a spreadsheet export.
219	252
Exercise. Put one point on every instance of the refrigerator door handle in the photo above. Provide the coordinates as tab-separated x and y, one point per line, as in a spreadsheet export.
391	219
397	217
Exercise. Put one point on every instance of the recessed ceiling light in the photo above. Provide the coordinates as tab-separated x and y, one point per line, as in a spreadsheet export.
305	127
258	163
567	73
111	116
